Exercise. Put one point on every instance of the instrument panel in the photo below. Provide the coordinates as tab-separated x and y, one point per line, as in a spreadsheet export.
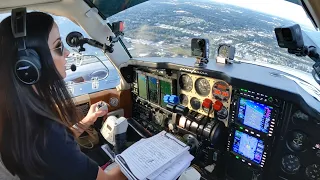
196	92
266	136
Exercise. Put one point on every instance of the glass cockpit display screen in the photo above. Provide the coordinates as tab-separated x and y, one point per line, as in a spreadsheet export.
248	146
142	83
254	115
153	89
165	88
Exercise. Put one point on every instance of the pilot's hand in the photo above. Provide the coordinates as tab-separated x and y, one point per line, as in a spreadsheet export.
93	115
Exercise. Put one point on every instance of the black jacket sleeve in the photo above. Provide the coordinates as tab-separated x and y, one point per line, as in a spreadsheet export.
64	157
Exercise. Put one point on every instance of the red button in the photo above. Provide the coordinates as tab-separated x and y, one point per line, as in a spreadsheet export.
217	106
207	103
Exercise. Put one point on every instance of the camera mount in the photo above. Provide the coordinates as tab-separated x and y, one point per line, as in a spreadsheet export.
200	50
290	37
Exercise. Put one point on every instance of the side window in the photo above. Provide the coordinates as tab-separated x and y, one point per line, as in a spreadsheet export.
94	72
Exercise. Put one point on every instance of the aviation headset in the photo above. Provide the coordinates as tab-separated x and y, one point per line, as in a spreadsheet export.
28	67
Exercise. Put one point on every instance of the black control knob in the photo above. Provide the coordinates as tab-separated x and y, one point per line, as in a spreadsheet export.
290	164
182	110
150	128
144	124
217	132
313	172
297	141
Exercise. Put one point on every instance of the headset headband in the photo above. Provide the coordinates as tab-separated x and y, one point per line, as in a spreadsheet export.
18	25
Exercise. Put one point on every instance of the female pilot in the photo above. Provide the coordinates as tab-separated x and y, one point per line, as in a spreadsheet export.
35	139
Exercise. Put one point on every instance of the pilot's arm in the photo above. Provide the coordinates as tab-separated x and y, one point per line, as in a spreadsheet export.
88	120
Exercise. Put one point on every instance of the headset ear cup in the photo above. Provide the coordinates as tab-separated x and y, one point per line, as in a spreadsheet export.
28	66
34	58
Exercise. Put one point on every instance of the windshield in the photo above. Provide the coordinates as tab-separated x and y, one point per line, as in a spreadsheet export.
164	28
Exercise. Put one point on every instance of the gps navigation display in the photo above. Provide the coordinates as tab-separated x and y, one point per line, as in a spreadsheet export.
153	89
254	115
165	88
248	146
142	83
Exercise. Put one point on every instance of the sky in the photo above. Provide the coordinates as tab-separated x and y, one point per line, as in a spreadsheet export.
280	8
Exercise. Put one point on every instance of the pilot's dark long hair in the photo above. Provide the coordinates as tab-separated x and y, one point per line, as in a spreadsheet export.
24	110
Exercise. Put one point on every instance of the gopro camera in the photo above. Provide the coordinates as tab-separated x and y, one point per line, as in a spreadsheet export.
118	27
289	37
200	47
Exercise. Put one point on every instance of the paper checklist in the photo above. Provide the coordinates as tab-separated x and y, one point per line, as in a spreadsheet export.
161	156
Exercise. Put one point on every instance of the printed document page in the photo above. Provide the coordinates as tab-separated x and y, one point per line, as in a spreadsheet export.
149	155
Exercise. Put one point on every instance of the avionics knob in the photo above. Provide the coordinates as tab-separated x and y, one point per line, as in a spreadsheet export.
182	110
217	132
150	128
172	127
144	124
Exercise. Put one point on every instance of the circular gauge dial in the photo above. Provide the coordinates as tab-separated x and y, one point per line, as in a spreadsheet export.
221	91
223	51
313	172
185	82
297	141
184	99
290	164
223	113
202	87
114	101
195	103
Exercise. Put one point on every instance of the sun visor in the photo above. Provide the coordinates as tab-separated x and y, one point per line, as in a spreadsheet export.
111	7
312	8
23	3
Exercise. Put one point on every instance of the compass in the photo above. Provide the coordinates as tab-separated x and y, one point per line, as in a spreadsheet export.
226	53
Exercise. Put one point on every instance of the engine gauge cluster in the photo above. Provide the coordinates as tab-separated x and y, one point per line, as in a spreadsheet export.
199	94
221	91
